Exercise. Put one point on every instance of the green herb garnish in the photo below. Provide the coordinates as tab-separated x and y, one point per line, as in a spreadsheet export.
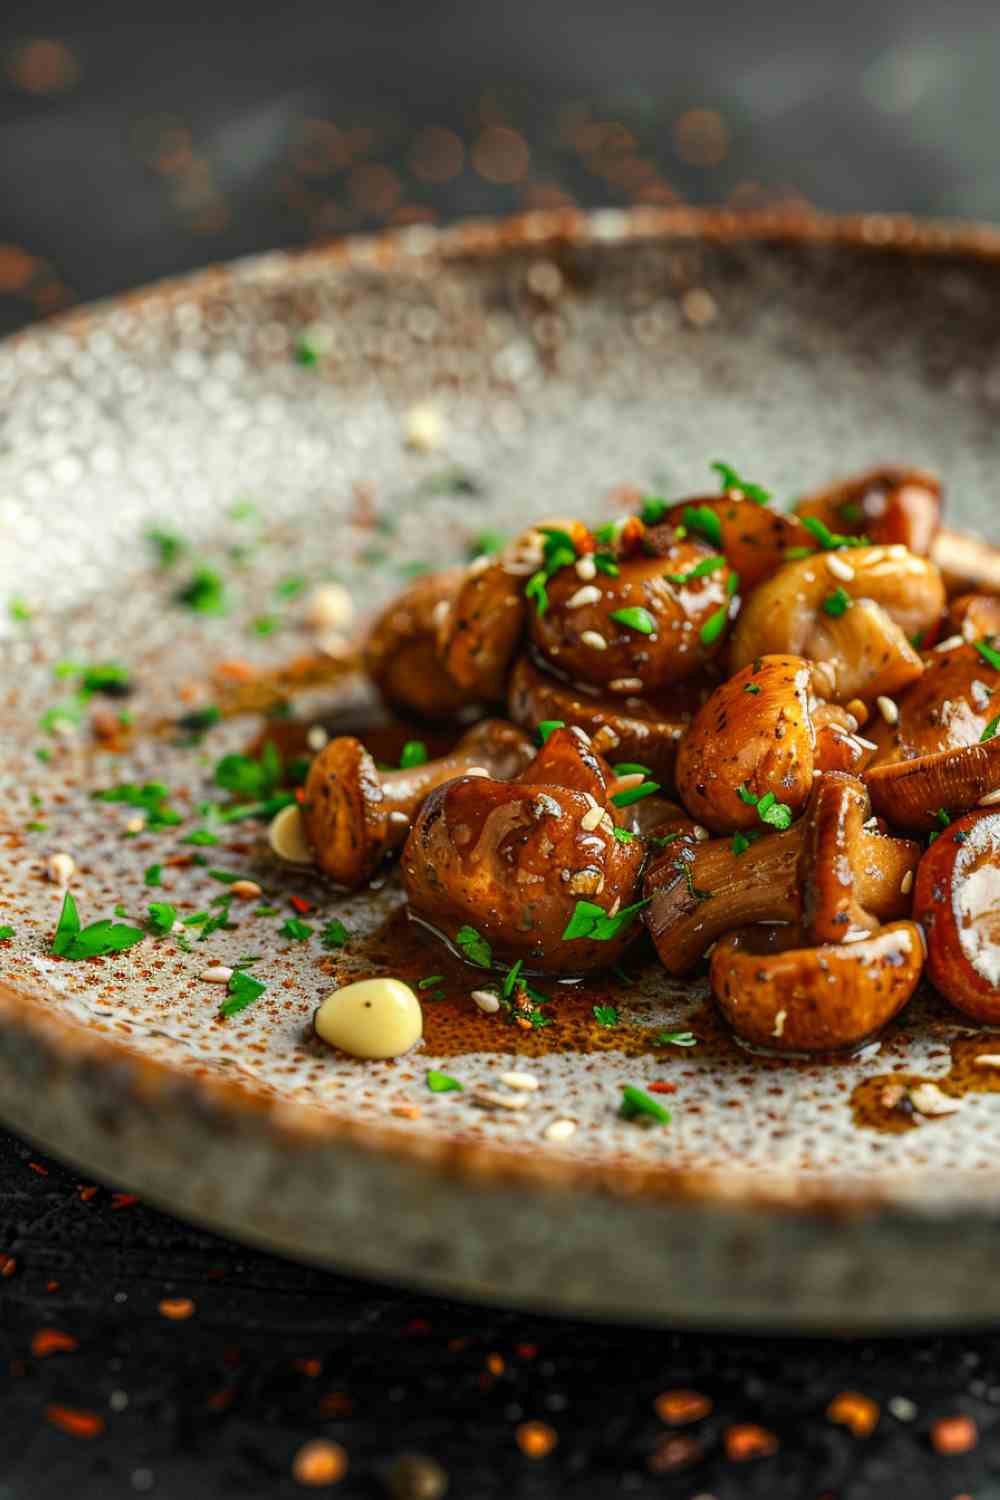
247	776
635	793
622	835
72	940
168	545
605	1015
5	933
549	726
990	730
201	836
634	617
989	654
701	570
677	1039
837	603
733	481
770	811
162	917
751	687
830	541
486	544
714	626
703	520
305	354
204	592
334	934
475	947
592	921
631	768
653	510
637	1104
296	929
443	1083
241	991
414	754
150	798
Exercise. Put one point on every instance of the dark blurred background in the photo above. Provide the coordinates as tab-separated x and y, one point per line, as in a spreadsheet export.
139	140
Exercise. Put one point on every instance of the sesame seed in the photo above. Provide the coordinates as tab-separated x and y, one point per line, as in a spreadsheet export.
605	739
135	825
987	1060
330	607
586	568
594	639
220	974
486	1000
490	1099
591	818
699	307
906	884
625	684
476	771
317	737
839	568
423	427
526	1082
887	708
589	594
701	834
439	613
950	643
60	869
398	817
779	1023
559	1130
581	734
902	1408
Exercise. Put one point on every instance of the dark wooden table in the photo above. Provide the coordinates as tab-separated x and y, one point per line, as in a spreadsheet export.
141	1355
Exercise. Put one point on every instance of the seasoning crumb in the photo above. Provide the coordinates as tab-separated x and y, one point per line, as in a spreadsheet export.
839	568
218	974
902	1408
859	1414
559	1130
674	1453
74	1421
746	1440
60	869
246	890
887	708
423	427
176	1308
318	1463
535	1439
699	307
678	1408
52	1341
413	1476
954	1435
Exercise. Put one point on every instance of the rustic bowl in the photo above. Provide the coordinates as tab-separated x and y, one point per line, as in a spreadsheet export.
562	356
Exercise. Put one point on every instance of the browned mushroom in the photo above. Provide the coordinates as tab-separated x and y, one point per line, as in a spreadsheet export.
851	612
400	654
967	563
887	504
973	616
828	873
957	900
535	866
639	629
354	815
641	727
924	795
781	995
950	706
754	539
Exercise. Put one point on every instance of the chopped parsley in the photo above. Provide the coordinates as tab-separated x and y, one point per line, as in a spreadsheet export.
742	841
943	817
241	991
290	587
605	563
204	592
549	726
605	1015
700	570
677	1039
19	611
296	929
430	981
733	481
622	835
683	866
247	776
830	541
150	798
198	721
989	654
631	768
714	626
770	811
334	934
72	940
305	354
638	1105
592	921
990	730
414	754
265	624
751	687
60	715
703	520
162	917
635	793
486	544
634	617
837	603
443	1083
168	545
201	836
475	947
653	510
559	551
6	933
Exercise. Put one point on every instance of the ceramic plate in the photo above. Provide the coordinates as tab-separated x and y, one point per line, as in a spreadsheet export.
264	412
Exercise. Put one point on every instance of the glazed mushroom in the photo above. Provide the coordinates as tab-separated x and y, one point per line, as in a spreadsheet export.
640	727
851	612
974	616
756	736
887	504
530	862
950	706
957	901
781	995
354	815
828	874
400	654
754	539
967	563
654	621
922	796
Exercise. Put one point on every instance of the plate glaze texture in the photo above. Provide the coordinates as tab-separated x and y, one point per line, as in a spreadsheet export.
266	413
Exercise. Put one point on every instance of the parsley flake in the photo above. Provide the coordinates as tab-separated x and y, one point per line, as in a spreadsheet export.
634	617
770	811
751	687
700	570
549	726
150	798
72	940
335	934
241	991
638	1105
829	541
677	1039
623	835
714	626
475	947
168	545
653	510
703	520
989	654
162	917
201	836
605	1015
443	1083
635	793
204	592
837	603
733	481
296	929
990	730
591	921
6	933
414	754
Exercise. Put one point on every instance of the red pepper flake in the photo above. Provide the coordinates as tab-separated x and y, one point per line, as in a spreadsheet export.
526	1351
310	1367
74	1421
336	1404
123	1200
747	1440
319	1463
51	1341
856	1412
236	670
52	1286
418	1325
674	1453
495	1364
220	1400
678	1408
406	1111
8	1265
660	1087
87	1191
535	1439
300	794
37	1167
176	1308
954	1435
301	904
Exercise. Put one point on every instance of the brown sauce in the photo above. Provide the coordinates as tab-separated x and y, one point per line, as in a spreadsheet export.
872	1100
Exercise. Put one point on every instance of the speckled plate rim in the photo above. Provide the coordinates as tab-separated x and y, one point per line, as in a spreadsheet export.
66	1048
